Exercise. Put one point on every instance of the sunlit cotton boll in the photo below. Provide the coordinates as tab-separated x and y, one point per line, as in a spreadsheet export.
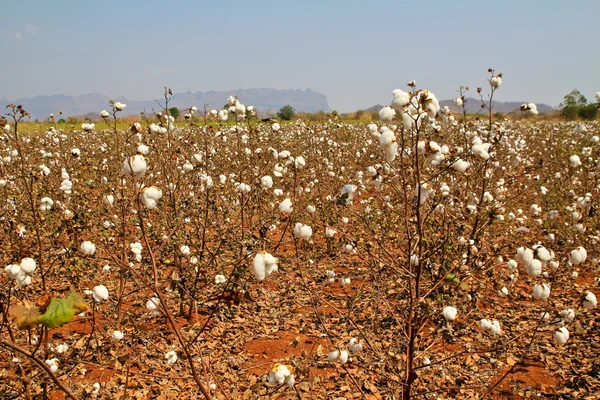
302	231
387	114
401	99
117	336
281	374
87	248
577	256
223	115
219	279
286	206
243	188
460	165
589	301
458	102
533	268
171	357
149	197
496	81
355	346
264	264
541	291
28	265
120	106
88	127
449	313
135	165
100	293
561	336
575	161
46	204
266	182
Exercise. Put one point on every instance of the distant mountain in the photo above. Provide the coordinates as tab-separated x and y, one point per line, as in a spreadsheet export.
262	99
474	105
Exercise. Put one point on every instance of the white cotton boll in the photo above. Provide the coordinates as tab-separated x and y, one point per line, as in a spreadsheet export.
135	165
503	292
53	364
149	197
152	304
575	161
460	165
568	315
589	301
333	355
348	192
117	336
485	324
108	199
414	260
422	193
275	127
458	101
355	346
449	313
185	250
286	206
495	328
401	99
223	115
13	271
524	255
534	268
496	81
100	293
299	162
171	357
330	232
120	106
266	182
243	188
290	381
104	114
343	357
88	127
578	256
512	265
87	248
303	231
541	292
387	114
561	335
27	265
264	264
219	279
278	192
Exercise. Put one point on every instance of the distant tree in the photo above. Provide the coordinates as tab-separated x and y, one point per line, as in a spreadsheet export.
572	103
286	113
588	112
335	113
61	121
174	111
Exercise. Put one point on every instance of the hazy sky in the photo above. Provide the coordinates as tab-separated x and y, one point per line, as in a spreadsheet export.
355	52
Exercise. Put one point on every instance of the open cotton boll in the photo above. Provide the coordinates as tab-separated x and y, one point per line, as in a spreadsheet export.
135	165
266	182
355	346
87	248
348	192
333	355
152	305
541	291
449	313
387	114
401	99
264	264
460	165
589	301
117	336
149	196
88	127
120	106
219	279
496	81
524	255
575	161
46	204
561	335
458	102
281	374
100	293
171	357
578	256
27	265
534	268
302	231
53	364
422	193
286	206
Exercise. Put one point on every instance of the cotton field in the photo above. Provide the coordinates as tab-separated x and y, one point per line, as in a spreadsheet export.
429	254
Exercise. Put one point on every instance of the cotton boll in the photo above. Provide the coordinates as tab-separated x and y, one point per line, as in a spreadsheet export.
343	357
503	292
185	250
310	209
120	106
330	232
460	165
264	264
387	114
266	182
578	256
575	161
53	364
219	279
458	102
355	346
332	356
496	81
171	357
302	231
27	265
589	300
100	293
135	165
449	313
485	324
286	206
117	336
561	335
567	315
152	305
524	255
541	292
87	248
534	268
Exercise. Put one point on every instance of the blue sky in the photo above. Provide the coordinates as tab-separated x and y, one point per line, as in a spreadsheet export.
355	52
